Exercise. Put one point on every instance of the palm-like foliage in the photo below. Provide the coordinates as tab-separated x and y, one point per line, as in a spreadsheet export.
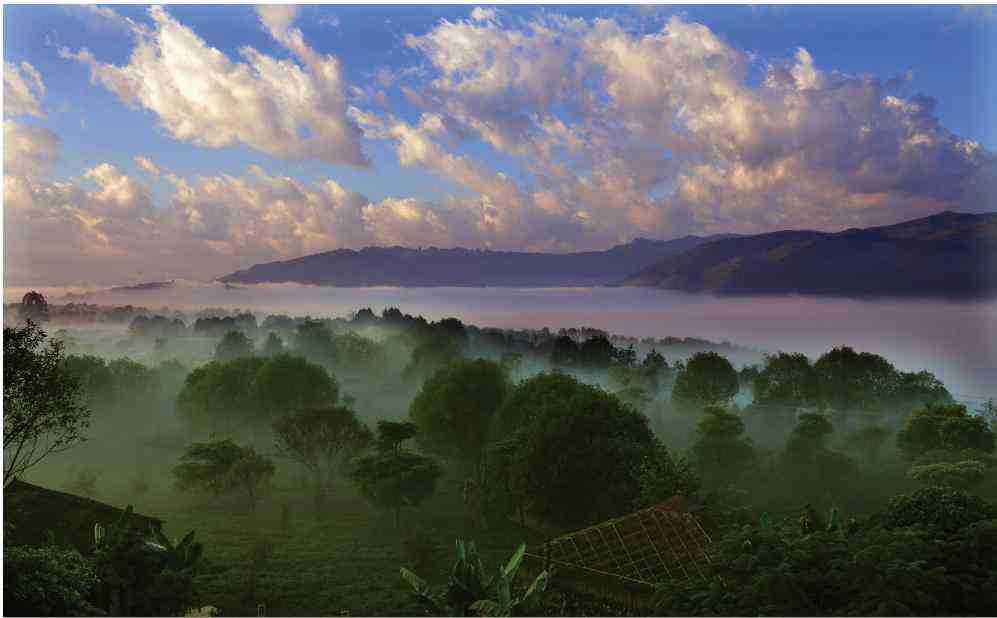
471	592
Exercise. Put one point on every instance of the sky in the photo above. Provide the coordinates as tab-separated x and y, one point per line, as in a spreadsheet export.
149	143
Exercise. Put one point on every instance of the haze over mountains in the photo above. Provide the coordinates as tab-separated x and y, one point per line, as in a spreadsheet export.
949	255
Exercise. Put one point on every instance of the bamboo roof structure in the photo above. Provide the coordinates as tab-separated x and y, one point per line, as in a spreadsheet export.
627	557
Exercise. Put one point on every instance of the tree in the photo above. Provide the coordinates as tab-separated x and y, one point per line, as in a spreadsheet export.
577	453
662	476
313	340
720	452
42	408
234	344
851	380
870	440
807	462
287	383
432	353
221	467
249	472
94	378
357	354
321	439
134	385
596	352
706	378
565	351
221	395
960	475
454	409
920	389
944	427
531	397
273	345
253	390
391	435
786	380
392	477
945	509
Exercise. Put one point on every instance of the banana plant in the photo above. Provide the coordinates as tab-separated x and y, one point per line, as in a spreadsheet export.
471	593
182	556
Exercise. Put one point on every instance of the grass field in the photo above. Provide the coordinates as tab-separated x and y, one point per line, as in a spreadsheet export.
341	561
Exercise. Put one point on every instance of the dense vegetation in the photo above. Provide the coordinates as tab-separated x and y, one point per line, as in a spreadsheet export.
317	457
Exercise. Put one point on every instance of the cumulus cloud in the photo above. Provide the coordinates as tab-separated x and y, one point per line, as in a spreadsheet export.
663	133
104	227
288	109
23	89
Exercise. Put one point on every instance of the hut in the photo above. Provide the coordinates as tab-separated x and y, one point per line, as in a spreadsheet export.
31	513
624	559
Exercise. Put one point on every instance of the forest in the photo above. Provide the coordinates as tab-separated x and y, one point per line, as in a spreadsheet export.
386	464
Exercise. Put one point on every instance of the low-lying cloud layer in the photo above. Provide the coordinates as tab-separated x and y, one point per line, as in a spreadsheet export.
613	134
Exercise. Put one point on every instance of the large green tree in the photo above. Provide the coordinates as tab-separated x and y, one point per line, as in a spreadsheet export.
321	439
221	467
721	453
43	411
577	455
706	378
393	477
944	428
455	407
234	344
227	396
786	380
851	380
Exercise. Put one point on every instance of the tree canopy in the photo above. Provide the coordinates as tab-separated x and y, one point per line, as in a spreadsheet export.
706	378
455	407
578	451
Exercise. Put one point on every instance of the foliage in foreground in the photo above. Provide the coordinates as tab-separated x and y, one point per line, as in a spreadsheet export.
470	592
47	581
927	553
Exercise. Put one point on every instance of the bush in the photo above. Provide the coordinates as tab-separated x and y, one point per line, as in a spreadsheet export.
942	508
46	581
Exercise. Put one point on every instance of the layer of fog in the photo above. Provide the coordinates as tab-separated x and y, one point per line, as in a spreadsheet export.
956	341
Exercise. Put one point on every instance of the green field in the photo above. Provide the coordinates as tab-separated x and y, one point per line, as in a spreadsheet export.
341	561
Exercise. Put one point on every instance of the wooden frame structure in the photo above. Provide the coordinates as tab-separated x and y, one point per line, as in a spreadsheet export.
626	558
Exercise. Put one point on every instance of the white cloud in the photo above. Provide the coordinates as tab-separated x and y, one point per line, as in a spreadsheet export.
482	14
291	110
663	133
148	165
23	89
28	151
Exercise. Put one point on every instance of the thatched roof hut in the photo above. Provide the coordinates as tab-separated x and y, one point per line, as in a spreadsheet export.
624	559
31	513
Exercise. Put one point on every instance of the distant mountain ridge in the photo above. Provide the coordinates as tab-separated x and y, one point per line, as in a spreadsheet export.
458	267
948	255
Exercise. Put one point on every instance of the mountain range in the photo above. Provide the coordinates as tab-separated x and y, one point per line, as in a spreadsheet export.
949	255
432	267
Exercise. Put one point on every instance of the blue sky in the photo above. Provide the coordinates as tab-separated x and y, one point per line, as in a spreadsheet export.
473	156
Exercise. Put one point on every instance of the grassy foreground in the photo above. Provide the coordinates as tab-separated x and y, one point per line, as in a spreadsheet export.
343	560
